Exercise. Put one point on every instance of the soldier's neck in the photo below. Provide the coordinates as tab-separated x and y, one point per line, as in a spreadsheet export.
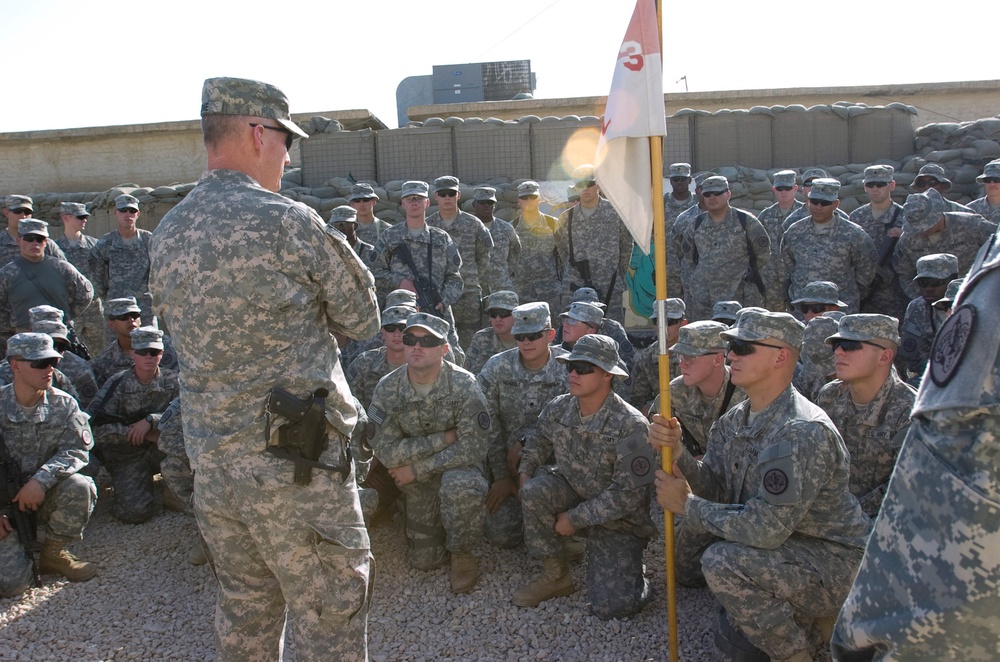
881	206
590	404
712	385
25	395
415	223
863	391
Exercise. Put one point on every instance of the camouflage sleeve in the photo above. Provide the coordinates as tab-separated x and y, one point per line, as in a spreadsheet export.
865	261
53	249
905	266
496	456
453	283
99	267
72	448
484	246
707	475
81	291
381	264
474	430
6	312
561	238
787	263
513	249
103	402
759	240
537	445
392	448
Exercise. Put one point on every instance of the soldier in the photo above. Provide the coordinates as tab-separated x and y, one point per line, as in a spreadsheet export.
344	219
517	384
498	338
506	244
120	260
17	208
78	247
433	433
593	244
726	311
988	206
868	402
882	219
817	298
46	437
175	469
590	431
363	198
609	327
34	279
76	369
772	219
539	271
769	503
123	319
474	243
922	320
827	247
816	362
125	415
723	250
808	177
926	589
945	302
933	176
263	316
678	200
930	225
646	367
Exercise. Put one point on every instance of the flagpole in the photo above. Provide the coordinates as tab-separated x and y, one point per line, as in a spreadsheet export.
660	261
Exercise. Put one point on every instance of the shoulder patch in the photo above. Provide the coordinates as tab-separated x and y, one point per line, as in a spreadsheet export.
874	255
484	420
456	259
376	414
763	241
950	344
775	481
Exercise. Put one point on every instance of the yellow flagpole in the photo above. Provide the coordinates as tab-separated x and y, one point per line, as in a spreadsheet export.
660	260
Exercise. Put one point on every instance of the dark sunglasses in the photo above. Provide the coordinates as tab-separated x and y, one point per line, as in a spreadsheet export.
924	281
502	314
126	316
393	328
362	199
673	322
81	218
128	210
486	203
60	345
922	184
712	194
747	347
21	212
680	179
289	136
148	351
816	308
586	184
876	184
580	367
783	188
991	180
527	197
411	340
820	203
851	345
446	194
41	364
529	337
33	238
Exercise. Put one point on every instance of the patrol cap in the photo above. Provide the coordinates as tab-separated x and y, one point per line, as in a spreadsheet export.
598	350
401	298
74	209
698	338
527	188
239	96
13	202
50	328
446	183
725	310
834	314
936	265
923	210
344	214
934	171
814	339
502	300
950	294
44	313
715	183
784	178
531	317
675	309
414	187
879	173
433	324
484	194
811	174
122	306
700	178
825	188
749	309
585	312
360	191
31	347
147	337
589	295
820	291
991	169
28	226
582	175
126	201
679	170
868	327
753	325
396	314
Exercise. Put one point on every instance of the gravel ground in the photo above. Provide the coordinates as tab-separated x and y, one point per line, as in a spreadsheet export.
148	603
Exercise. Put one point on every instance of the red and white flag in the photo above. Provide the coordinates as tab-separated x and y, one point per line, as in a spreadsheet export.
634	113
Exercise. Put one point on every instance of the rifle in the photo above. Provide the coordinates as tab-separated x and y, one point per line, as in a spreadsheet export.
428	296
885	252
76	344
100	416
24	523
303	439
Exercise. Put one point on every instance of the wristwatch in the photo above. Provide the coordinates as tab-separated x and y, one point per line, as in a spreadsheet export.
152	423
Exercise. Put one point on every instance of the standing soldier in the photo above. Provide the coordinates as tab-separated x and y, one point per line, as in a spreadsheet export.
773	219
120	260
78	247
678	200
363	199
882	219
988	206
17	208
539	271
506	244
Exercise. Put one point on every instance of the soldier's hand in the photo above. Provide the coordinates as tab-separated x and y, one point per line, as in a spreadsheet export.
30	496
672	491
137	432
500	490
522	478
563	525
665	434
407	284
402	475
894	232
451	436
514	457
5	526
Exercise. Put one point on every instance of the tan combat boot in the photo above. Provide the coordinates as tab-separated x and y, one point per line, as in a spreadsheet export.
555	581
464	572
196	555
55	560
573	549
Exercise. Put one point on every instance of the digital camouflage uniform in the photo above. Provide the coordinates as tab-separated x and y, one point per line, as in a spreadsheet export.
64	288
645	375
675	241
91	323
927	586
962	236
112	359
920	325
672	208
51	443
365	372
803	212
445	502
261	316
485	344
515	396
773	273
10	250
175	468
983	207
370	232
696	412
504	256
121	269
60	380
539	274
886	296
816	361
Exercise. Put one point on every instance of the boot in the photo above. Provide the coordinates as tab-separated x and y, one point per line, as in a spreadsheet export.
464	572
173	502
55	560
196	555
573	548
555	581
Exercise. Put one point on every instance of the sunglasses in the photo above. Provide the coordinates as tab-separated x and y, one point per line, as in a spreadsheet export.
289	136
81	218
680	179
486	203
747	347
820	203
33	238
529	337
527	197
783	188
851	345
126	316
924	281
362	200
876	184
128	210
815	308
583	185
60	346
393	328
673	322
922	184
580	367
712	194
991	180
148	351
446	194
41	364
502	314
21	212
411	340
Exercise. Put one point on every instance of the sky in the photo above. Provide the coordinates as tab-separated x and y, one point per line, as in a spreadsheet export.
109	62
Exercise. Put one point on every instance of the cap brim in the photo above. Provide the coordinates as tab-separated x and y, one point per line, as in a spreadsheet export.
527	328
427	329
147	345
685	349
44	354
293	127
572	356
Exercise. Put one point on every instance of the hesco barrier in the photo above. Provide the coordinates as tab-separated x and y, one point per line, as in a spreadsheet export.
549	148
